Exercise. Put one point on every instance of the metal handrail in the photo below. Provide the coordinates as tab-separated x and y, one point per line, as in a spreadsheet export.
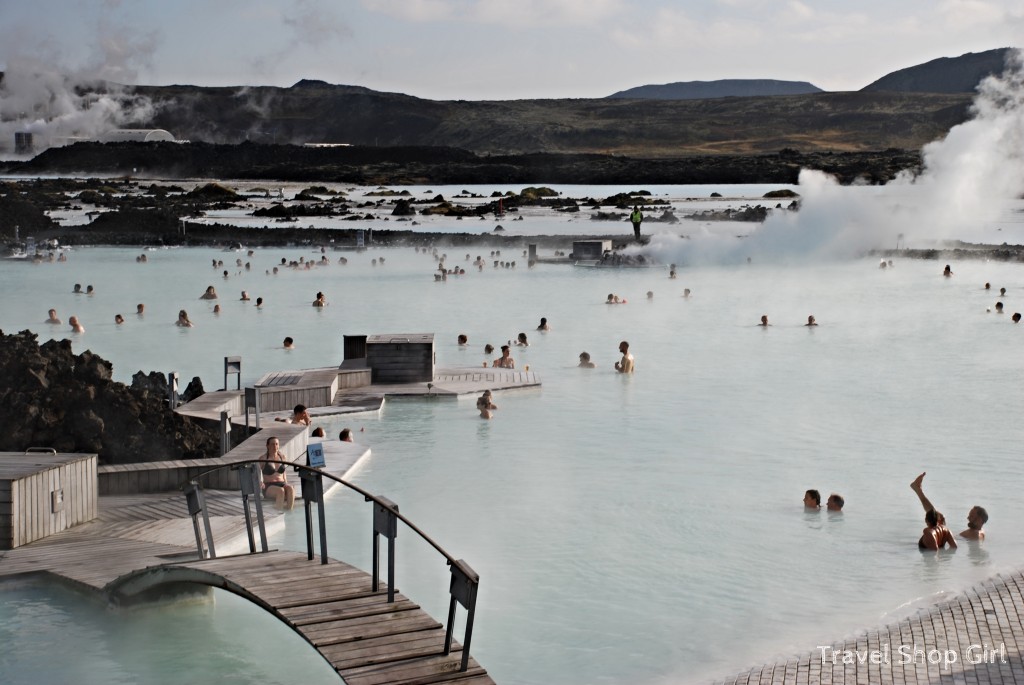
369	497
465	581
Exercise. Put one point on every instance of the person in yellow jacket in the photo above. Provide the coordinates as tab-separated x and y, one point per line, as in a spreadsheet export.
636	217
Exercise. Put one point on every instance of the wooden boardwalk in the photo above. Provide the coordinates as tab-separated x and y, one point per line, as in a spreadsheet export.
140	542
365	638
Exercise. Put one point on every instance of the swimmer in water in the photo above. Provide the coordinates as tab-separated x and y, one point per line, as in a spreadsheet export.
505	361
140	309
977	517
183	319
244	297
947	272
543	325
812	499
686	292
521	340
216	309
627	364
289	344
764	321
53	317
210	294
78	289
76	326
118	319
463	339
320	301
935	535
1016	317
585	362
811	321
835	503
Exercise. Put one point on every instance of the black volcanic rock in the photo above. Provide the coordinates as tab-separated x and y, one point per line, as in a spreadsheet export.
54	398
723	88
944	75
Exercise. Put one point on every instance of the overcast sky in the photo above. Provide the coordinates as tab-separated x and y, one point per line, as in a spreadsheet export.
498	49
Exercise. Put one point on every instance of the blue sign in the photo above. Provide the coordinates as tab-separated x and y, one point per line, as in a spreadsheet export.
315	455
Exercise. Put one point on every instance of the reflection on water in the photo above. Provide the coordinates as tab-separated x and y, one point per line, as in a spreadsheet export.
626	529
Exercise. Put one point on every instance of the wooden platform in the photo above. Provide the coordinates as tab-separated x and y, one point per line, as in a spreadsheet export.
365	638
311	387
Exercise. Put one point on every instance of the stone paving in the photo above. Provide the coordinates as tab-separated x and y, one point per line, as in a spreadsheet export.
976	638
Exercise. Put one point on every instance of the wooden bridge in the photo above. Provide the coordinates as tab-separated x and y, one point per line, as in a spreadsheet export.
367	639
369	632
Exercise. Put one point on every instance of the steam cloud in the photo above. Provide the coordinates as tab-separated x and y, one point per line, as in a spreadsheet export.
965	179
55	104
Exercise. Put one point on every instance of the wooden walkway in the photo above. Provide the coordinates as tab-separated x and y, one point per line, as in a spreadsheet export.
140	542
365	638
984	625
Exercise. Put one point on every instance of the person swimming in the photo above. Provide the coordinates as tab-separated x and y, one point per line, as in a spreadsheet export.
183	319
811	321
76	326
947	272
53	317
210	294
764	321
585	362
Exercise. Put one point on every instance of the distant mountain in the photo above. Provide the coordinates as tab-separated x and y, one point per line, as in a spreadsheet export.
724	88
945	74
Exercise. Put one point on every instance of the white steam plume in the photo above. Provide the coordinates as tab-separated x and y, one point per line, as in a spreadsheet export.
965	178
55	103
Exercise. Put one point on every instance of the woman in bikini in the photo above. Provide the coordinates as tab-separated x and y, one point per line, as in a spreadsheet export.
275	477
936	535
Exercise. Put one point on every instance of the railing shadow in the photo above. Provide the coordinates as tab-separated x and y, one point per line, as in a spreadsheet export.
465	582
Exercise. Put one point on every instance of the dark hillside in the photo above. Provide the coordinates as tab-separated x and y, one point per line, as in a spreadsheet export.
723	88
944	75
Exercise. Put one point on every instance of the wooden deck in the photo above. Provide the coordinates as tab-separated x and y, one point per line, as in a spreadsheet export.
365	638
144	541
312	387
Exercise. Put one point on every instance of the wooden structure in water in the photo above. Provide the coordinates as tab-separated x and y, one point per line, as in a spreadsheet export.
366	638
401	357
132	546
42	493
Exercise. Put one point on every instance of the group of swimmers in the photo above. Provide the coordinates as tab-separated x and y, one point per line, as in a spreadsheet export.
811	321
936	535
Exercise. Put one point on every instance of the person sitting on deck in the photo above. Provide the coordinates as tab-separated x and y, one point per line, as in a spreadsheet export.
505	361
275	477
977	517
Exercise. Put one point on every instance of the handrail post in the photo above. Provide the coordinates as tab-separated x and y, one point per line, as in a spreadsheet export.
385	523
313	491
249	481
172	389
225	433
197	505
463	588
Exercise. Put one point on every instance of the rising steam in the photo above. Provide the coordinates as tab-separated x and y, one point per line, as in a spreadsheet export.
966	178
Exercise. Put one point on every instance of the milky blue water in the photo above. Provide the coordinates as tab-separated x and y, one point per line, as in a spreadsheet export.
643	529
